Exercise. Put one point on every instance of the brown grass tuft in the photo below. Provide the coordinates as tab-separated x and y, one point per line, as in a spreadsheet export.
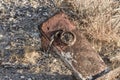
98	18
30	56
100	22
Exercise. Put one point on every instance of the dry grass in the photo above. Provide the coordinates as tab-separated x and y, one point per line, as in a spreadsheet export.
30	57
99	18
112	75
115	60
100	21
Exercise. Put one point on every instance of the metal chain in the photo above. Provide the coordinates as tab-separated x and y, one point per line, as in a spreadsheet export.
53	39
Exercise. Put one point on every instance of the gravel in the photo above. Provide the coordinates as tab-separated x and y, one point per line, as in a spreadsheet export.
19	21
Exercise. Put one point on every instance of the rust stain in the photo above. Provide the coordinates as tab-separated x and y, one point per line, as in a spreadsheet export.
85	61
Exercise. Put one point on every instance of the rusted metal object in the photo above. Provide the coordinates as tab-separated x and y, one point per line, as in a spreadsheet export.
72	47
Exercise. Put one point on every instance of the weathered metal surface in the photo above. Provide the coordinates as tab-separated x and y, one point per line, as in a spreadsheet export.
79	56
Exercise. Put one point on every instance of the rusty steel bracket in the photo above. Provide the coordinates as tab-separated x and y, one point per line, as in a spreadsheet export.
60	36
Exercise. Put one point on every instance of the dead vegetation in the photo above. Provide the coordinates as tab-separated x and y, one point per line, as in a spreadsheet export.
112	75
100	22
98	19
30	57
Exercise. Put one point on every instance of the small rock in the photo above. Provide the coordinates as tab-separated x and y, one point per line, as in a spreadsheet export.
29	79
55	60
1	35
6	77
22	76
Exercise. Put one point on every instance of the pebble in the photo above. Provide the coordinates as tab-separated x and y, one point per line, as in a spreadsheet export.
22	76
6	77
1	35
55	60
18	30
29	79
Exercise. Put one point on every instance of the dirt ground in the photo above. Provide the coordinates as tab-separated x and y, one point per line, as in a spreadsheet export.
21	54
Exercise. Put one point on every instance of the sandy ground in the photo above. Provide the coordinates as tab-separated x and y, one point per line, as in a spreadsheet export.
19	20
